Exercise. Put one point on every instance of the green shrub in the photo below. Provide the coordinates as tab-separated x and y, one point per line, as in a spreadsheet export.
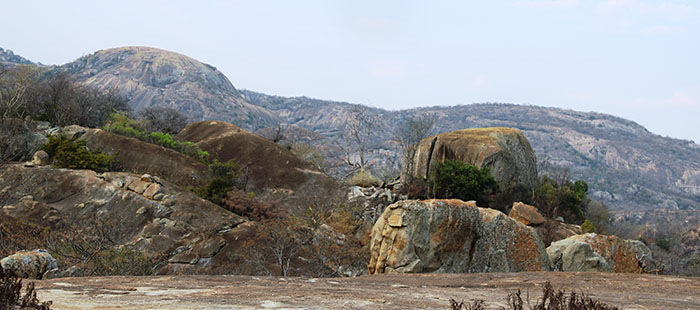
568	200
456	179
123	125
587	227
364	179
74	154
224	178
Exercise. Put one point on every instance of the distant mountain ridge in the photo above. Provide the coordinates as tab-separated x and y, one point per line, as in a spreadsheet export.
626	166
9	57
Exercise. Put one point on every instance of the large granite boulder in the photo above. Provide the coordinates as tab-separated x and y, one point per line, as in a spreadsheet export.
594	252
28	264
505	151
452	236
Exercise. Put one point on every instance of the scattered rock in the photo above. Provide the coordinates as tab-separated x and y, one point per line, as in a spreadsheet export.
526	214
452	236
40	158
594	252
29	264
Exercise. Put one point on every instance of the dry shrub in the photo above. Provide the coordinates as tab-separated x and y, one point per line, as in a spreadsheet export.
364	179
10	297
18	236
246	204
551	300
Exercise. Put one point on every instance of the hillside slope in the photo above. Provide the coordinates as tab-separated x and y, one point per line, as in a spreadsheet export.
626	166
153	77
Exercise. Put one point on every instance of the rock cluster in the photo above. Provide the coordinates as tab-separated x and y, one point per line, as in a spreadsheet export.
526	214
452	236
594	252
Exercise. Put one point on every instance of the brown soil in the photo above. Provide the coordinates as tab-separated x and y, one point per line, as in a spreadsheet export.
423	291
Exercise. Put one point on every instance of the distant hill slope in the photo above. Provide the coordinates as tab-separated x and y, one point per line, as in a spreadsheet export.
154	77
7	57
626	166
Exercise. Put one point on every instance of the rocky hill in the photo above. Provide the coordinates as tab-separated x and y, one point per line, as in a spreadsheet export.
7	57
625	165
153	77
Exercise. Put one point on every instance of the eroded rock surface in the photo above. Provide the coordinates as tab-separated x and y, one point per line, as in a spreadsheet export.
594	252
157	218
452	236
526	214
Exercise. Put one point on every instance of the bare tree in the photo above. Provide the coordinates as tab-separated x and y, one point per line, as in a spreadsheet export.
408	134
164	119
273	133
360	127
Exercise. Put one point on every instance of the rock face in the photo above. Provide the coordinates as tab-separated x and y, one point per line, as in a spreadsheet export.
526	214
593	252
505	151
269	166
154	77
31	264
155	217
452	236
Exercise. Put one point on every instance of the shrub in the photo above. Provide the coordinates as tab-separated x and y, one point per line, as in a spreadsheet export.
567	199
224	178
456	179
10	298
122	124
587	227
162	119
364	179
74	154
17	141
237	201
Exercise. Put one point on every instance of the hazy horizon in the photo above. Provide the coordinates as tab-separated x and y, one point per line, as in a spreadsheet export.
630	58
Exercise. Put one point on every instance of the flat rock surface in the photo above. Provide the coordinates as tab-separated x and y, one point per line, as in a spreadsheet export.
415	291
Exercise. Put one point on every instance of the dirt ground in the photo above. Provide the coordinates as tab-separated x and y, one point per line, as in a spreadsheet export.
416	291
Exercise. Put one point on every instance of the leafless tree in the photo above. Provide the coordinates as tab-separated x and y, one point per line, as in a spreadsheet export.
273	133
408	134
360	127
164	119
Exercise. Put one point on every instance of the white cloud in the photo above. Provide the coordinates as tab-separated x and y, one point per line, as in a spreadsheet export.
556	4
612	6
683	100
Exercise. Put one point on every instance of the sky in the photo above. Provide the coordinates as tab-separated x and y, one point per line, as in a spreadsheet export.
635	59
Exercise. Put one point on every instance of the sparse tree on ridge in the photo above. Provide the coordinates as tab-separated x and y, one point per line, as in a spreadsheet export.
360	127
408	134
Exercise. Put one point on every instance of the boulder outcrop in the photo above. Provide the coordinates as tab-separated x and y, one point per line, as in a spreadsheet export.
155	217
452	236
29	264
505	151
594	252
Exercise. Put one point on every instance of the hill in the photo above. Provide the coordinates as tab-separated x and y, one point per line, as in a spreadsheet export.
625	165
154	77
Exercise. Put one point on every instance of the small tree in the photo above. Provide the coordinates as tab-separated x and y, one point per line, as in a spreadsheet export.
456	179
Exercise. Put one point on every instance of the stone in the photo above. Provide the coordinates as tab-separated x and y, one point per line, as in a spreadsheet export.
210	247
158	197
505	151
138	186
40	158
73	132
141	211
601	253
30	264
184	258
147	178
152	190
452	236
526	214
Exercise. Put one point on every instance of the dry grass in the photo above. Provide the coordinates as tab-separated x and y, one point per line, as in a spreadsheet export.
551	300
10	297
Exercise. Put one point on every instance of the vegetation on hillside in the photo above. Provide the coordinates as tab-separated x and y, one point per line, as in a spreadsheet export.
460	180
74	154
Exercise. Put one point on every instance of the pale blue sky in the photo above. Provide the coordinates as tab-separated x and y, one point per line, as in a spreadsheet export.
636	59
